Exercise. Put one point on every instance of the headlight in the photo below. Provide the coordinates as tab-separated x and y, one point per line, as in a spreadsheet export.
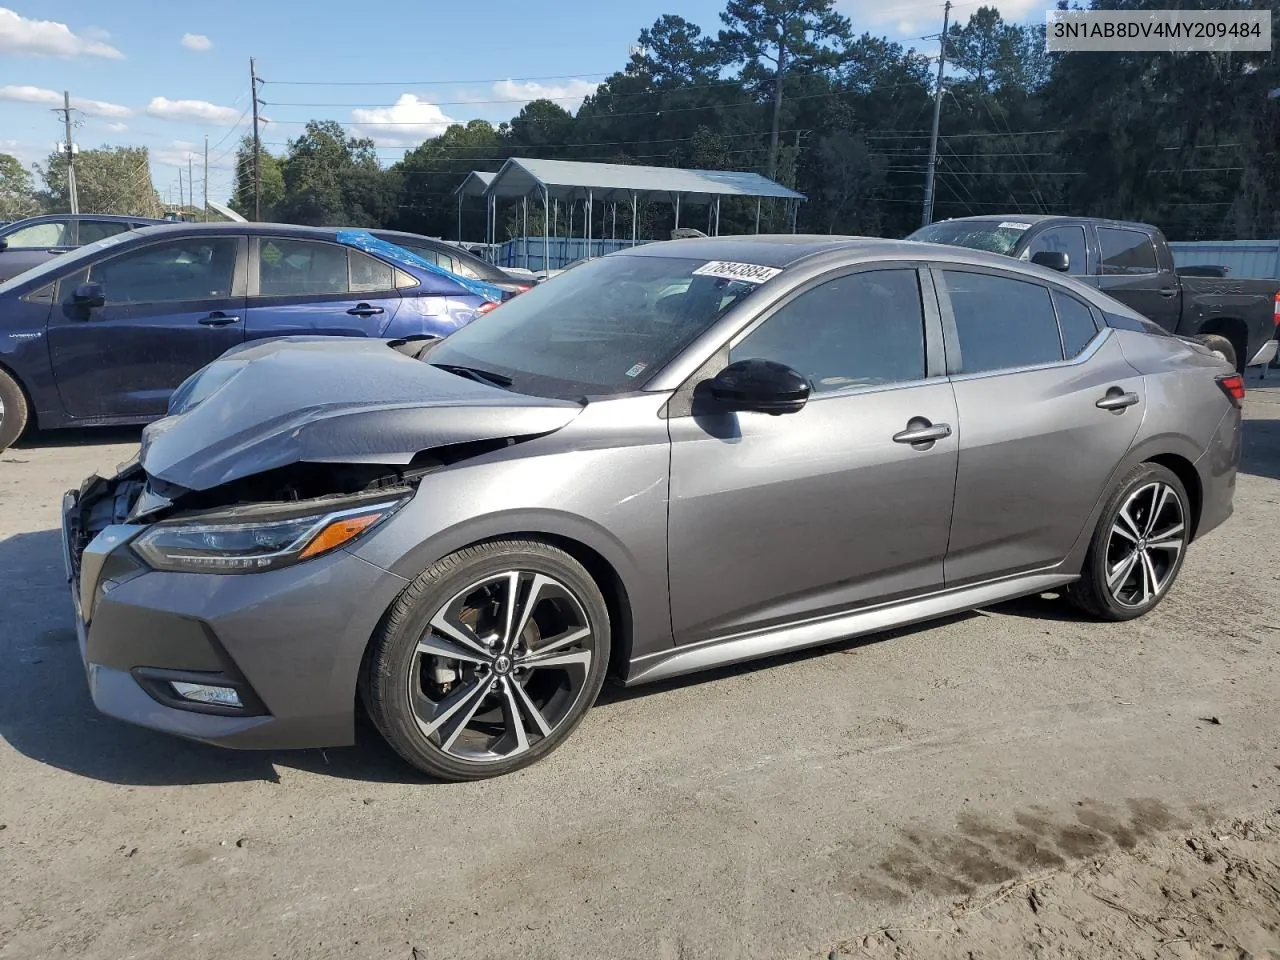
254	546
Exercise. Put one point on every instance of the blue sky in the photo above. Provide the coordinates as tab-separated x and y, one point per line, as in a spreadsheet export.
167	75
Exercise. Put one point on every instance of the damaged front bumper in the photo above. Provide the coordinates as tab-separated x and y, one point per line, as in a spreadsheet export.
287	642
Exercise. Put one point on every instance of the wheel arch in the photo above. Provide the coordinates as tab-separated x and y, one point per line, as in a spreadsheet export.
1185	471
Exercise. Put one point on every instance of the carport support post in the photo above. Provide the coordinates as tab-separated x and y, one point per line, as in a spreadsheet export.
546	227
757	214
459	218
717	216
587	235
524	232
677	211
613	229
634	229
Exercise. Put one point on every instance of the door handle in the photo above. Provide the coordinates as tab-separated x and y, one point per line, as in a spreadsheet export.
364	310
1168	292
1117	399
217	319
920	430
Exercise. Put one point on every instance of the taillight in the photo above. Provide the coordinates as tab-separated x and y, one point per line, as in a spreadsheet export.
1275	310
524	289
485	307
1233	387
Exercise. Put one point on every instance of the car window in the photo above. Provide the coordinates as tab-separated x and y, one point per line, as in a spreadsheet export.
1077	323
995	236
598	331
1001	322
426	253
859	330
54	233
92	230
1068	240
448	262
1126	251
193	268
296	268
368	274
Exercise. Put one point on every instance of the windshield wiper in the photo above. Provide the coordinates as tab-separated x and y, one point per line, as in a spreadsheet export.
476	374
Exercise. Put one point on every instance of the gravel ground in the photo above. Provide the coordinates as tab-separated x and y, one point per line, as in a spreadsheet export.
808	804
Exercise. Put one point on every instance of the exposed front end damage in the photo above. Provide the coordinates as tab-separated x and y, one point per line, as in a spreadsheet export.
206	572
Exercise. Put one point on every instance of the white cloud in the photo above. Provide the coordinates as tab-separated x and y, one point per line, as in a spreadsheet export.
198	110
410	120
179	152
94	108
48	38
196	41
117	127
568	95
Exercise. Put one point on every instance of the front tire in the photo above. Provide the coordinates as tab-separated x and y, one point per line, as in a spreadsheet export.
489	660
13	411
1138	547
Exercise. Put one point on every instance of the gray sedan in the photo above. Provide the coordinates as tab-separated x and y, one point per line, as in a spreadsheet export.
675	457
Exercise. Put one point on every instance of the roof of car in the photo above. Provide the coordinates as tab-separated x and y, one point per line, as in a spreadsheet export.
278	229
786	250
1035	219
111	217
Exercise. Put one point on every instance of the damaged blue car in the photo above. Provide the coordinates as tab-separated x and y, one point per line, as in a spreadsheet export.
105	334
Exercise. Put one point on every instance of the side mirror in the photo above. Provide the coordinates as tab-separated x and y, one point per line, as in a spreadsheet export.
4	243
1053	259
89	295
760	386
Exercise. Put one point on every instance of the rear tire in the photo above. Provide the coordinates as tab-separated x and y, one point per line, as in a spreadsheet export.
13	411
1222	347
1138	547
489	660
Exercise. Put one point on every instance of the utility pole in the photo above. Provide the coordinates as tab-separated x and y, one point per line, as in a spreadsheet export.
70	149
257	143
191	185
937	115
206	178
180	193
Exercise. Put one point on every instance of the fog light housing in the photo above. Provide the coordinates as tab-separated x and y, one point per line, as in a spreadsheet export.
207	693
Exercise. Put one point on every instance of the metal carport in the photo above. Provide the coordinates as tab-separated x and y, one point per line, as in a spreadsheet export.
571	181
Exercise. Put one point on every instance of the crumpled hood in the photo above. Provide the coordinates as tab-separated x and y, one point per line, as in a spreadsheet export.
270	403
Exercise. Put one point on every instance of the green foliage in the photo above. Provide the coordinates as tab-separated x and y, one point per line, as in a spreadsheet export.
108	180
271	172
17	190
1186	141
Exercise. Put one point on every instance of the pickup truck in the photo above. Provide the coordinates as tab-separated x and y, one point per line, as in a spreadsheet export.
1235	318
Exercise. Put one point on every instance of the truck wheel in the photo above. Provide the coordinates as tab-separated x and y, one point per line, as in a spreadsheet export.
1222	347
13	411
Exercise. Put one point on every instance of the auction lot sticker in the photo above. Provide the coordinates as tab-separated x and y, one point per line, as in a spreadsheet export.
746	272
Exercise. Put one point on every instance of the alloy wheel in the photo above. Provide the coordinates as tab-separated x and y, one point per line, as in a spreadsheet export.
501	666
1145	545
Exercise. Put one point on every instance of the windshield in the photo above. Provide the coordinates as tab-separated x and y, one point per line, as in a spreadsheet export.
65	261
996	236
598	331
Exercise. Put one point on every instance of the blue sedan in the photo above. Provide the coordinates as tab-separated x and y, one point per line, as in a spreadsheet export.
103	335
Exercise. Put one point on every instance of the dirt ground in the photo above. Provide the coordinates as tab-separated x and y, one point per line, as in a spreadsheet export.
1015	782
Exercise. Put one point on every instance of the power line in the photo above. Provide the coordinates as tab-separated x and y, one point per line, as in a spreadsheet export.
428	83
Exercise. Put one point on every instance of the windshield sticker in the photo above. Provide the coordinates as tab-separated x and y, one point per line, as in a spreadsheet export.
1014	225
746	272
636	370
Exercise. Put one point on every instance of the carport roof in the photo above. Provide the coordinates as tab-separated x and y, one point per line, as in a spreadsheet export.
476	183
573	180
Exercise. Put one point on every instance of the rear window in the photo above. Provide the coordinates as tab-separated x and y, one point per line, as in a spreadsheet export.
994	236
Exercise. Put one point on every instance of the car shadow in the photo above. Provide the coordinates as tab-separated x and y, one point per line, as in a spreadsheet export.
1261	454
78	437
46	712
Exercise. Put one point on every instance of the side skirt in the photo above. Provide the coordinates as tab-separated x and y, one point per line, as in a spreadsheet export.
737	648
